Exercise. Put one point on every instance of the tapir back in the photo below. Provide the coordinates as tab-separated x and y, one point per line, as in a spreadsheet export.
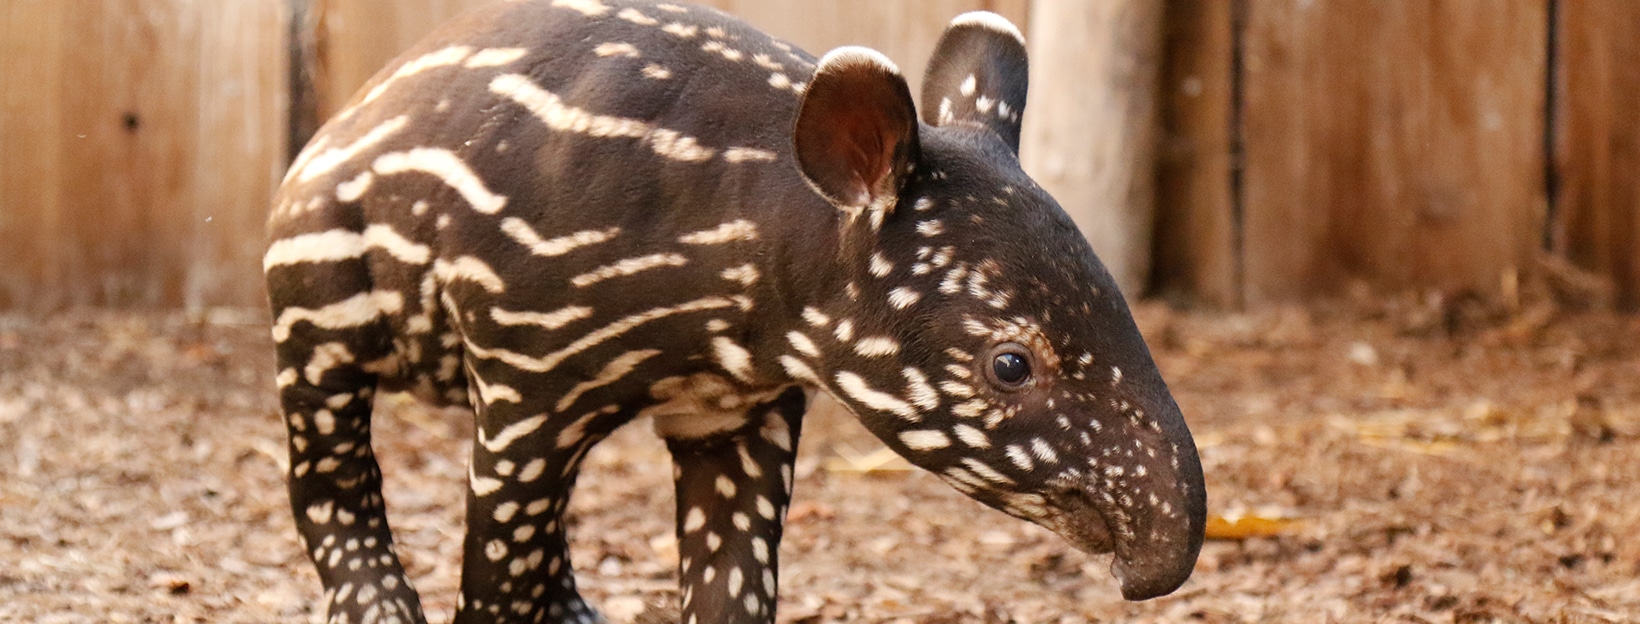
480	161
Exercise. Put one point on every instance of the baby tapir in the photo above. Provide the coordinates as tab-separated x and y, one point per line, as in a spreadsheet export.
569	214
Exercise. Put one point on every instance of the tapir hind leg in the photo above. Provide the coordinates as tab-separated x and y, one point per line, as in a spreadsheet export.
516	565
335	484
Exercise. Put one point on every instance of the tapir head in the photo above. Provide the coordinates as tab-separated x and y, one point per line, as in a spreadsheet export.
977	334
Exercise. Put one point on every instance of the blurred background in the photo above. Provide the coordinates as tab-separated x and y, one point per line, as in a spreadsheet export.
1220	152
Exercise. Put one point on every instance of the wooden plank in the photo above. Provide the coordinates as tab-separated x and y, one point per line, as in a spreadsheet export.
904	31
239	154
1195	251
1393	141
32	35
118	138
1090	125
355	38
1597	147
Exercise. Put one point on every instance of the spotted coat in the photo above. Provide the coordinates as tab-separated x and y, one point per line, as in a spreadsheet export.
570	214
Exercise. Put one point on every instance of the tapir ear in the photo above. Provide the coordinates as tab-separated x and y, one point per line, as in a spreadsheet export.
978	75
856	132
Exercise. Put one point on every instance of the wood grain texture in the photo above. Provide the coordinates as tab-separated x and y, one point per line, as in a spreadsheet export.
140	145
1398	142
1597	147
904	31
1195	252
1091	125
353	39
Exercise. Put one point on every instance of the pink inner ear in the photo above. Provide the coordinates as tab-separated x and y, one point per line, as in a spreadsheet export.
862	143
855	120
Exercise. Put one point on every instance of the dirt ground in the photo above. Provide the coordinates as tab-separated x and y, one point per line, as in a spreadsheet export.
1416	459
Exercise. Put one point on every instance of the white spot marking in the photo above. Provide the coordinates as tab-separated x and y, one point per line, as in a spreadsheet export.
877	346
745	274
733	358
589	8
902	298
637	17
815	317
803	344
971	436
653	71
617	48
855	387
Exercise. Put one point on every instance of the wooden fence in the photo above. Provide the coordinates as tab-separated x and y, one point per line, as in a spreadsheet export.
1233	151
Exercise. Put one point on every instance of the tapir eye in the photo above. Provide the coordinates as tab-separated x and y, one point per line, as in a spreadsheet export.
1010	366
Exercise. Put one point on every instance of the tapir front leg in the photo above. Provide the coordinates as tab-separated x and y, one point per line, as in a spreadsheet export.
732	492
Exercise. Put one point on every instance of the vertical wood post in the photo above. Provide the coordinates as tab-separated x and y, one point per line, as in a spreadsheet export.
1597	147
1091	122
1196	254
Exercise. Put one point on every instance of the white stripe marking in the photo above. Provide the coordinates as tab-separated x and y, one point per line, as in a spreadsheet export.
589	8
351	312
511	433
612	372
521	231
490	393
545	320
447	167
628	266
440	58
551	360
737	230
557	115
924	439
495	57
482	486
351	190
337	245
471	269
747	154
310	167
